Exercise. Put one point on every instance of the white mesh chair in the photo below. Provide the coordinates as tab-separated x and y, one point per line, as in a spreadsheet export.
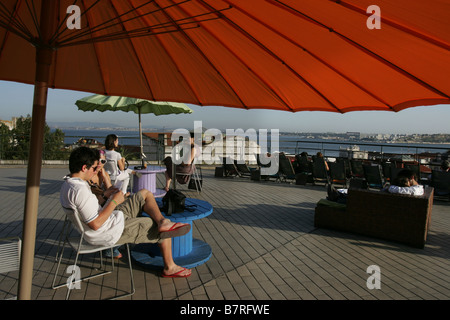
78	244
112	169
10	249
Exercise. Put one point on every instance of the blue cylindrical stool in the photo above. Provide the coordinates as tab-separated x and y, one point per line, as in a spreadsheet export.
187	251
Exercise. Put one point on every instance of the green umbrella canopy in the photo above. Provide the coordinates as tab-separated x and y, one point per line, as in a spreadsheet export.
113	103
140	106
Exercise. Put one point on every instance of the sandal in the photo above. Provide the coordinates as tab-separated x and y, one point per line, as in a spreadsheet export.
176	230
177	274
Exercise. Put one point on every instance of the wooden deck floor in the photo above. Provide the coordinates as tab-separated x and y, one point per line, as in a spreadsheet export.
264	245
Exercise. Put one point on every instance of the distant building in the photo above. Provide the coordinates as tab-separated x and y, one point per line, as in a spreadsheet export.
11	124
353	135
353	152
157	145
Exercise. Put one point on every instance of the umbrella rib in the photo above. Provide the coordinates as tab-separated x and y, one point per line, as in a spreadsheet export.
33	14
258	43
362	48
116	21
8	19
316	58
396	25
61	28
140	63
96	57
206	59
140	32
99	27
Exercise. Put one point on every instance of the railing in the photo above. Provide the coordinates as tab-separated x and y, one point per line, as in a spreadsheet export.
381	151
330	149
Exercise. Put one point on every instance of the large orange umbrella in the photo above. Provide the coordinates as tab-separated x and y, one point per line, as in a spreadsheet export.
289	55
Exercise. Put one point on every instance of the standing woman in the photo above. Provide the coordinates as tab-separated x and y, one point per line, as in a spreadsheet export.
123	177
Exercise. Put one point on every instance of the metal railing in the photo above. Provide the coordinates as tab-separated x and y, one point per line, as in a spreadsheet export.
330	149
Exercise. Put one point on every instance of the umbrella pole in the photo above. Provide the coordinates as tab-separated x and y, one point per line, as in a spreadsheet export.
140	139
44	56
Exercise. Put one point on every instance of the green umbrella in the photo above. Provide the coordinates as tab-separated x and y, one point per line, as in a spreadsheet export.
140	106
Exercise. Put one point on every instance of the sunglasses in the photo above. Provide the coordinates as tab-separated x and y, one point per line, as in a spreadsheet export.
102	161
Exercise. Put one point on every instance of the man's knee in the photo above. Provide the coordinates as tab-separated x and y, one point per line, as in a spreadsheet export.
146	194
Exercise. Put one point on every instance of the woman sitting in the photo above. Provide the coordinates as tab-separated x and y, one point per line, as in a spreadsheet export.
123	177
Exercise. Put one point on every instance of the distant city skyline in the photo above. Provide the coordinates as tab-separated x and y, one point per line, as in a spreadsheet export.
17	101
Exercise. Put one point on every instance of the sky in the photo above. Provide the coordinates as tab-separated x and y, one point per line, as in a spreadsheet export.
17	100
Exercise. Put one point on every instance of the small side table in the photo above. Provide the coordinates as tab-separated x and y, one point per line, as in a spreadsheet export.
148	181
186	251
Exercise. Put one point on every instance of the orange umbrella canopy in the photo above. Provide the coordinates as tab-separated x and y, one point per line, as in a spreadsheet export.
290	55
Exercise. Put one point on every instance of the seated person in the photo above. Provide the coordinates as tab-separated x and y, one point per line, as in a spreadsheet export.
185	168
320	157
101	181
404	183
102	187
302	163
123	177
118	221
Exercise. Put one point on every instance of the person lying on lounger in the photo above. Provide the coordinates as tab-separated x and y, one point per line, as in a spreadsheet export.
404	183
118	221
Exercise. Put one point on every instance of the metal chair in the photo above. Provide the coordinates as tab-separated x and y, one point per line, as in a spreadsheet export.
10	249
78	244
193	180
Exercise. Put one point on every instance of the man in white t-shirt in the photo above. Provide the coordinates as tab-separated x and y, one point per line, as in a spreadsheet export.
119	221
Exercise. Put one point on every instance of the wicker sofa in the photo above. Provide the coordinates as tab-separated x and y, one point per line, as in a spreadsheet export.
400	218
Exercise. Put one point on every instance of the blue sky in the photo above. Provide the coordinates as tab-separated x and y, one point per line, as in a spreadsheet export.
17	98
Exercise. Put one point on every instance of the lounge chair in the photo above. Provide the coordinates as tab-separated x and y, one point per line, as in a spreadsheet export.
373	175
338	173
440	181
387	169
304	165
256	176
286	170
356	167
229	168
303	170
320	171
242	169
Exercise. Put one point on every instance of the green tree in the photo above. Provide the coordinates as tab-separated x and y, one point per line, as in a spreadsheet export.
15	143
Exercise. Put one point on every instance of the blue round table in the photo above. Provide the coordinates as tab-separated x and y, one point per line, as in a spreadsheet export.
187	251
